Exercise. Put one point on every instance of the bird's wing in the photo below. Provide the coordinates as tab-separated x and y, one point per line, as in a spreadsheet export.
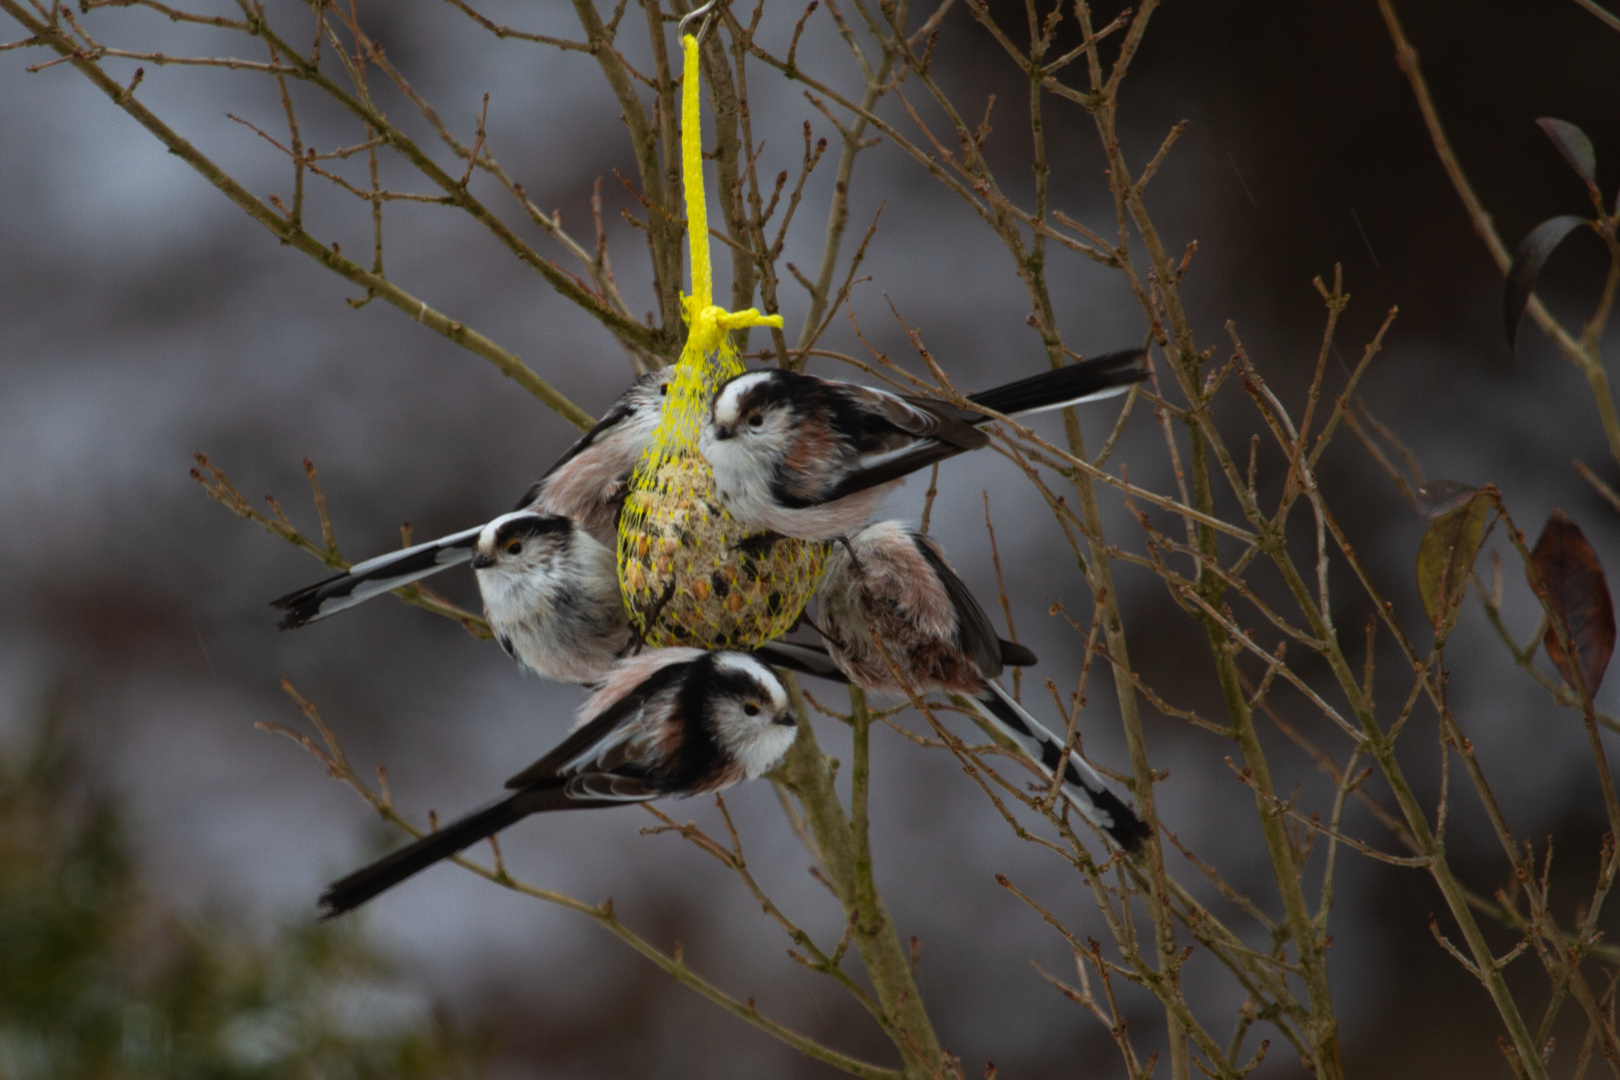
901	435
611	419
881	469
919	418
979	639
608	788
598	745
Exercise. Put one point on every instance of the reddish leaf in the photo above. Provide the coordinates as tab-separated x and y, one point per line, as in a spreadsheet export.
1577	596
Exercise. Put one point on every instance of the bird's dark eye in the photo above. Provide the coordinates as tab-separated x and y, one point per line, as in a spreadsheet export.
515	547
751	709
663	391
756	420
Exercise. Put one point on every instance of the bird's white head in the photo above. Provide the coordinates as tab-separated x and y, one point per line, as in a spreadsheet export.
748	712
520	544
752	427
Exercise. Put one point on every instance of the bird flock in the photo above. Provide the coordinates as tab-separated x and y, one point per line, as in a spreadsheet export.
792	455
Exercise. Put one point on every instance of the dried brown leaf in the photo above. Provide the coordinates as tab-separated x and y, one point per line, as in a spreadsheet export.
1577	595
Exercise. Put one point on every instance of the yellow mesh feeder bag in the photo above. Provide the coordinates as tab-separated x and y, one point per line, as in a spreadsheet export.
690	573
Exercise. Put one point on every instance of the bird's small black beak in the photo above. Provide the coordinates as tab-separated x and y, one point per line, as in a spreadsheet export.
722	432
483	562
786	720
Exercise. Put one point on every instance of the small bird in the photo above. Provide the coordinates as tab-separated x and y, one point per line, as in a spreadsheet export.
551	595
893	585
669	722
811	458
588	484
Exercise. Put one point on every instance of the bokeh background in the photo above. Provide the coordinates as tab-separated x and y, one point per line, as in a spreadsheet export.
143	317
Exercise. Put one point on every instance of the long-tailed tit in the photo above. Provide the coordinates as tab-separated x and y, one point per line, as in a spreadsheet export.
588	484
811	458
894	585
671	722
551	595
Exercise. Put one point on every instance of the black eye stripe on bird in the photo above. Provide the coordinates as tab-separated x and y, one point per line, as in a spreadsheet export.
523	525
667	723
586	484
897	584
737	674
824	453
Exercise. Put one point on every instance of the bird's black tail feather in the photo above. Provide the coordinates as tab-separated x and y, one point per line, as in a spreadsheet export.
800	658
1089	381
374	577
1085	381
816	660
1085	788
1014	654
385	873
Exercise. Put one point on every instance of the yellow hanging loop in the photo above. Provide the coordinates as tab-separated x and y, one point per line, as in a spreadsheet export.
690	574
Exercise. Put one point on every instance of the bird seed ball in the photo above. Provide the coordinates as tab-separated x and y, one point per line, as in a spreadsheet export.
698	574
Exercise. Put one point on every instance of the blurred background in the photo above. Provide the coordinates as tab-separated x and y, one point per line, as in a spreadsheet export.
143	317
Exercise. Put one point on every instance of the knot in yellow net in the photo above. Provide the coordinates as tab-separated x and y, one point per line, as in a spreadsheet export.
689	572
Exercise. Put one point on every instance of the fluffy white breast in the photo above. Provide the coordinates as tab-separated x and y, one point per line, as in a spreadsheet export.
761	750
742	475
